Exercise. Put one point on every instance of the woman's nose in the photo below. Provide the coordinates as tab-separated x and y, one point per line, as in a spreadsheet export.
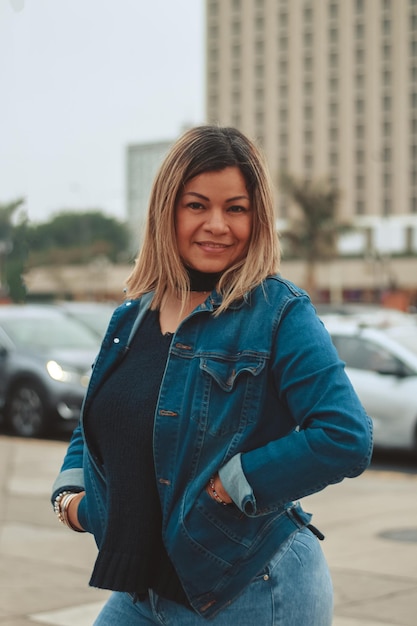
216	221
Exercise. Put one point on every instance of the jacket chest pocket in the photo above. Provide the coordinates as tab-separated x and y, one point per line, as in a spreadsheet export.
232	393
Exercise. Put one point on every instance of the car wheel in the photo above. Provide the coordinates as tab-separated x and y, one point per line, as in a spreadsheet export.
26	410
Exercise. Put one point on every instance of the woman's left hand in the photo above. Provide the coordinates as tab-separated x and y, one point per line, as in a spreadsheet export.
217	492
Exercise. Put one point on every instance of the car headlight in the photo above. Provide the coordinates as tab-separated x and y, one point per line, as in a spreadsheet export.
66	375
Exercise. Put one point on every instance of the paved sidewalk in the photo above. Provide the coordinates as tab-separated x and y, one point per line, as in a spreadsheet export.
370	525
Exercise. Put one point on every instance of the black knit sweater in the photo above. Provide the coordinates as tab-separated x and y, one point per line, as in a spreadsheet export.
119	424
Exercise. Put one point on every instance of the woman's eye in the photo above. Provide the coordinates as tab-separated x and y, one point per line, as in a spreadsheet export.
237	209
195	205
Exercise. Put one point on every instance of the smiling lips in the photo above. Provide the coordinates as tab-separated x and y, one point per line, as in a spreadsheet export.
211	245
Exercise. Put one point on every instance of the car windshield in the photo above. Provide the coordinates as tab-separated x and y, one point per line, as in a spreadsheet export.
49	331
405	335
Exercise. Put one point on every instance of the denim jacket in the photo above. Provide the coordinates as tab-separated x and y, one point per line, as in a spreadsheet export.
258	394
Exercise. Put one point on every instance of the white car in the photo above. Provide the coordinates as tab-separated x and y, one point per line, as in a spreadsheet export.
382	365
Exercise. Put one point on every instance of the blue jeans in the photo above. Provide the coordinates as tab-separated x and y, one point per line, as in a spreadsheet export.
295	589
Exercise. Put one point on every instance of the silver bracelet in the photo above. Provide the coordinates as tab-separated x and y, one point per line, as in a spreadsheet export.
214	492
61	504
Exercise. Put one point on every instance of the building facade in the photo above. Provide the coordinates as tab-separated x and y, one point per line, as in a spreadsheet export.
142	163
329	90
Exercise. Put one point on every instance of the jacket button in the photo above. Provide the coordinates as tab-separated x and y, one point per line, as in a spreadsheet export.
266	577
116	340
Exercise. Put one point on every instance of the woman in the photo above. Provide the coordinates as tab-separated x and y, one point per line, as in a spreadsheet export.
216	401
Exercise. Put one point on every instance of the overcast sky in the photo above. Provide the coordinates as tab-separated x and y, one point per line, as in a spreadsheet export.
79	80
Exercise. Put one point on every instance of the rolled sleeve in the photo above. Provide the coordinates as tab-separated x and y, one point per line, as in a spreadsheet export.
235	483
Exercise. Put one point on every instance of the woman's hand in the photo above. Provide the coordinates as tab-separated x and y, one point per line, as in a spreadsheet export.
216	490
72	511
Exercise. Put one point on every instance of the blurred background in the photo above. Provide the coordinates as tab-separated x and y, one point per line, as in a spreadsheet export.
94	94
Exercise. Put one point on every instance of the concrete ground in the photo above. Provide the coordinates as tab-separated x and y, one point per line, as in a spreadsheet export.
370	525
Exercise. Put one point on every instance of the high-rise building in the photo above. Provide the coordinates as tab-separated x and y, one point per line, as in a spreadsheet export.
329	90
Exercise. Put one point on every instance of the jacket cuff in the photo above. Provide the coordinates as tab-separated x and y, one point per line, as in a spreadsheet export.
71	480
235	483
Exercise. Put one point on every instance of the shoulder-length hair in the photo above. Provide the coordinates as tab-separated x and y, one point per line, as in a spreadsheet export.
204	149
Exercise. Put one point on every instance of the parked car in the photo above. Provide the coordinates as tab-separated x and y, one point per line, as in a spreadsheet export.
45	365
367	314
94	315
382	365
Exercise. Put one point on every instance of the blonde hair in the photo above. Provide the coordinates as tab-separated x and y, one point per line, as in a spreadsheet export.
159	267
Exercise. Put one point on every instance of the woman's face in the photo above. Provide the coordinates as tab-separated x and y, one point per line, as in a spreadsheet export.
213	220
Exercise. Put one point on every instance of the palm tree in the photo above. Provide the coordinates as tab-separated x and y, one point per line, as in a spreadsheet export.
313	230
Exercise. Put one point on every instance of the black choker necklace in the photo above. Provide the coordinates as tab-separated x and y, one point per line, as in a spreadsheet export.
202	281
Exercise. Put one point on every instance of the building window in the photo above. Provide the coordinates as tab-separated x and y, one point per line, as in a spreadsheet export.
333	133
308	136
360	55
308	63
236	51
333	109
359	30
308	161
360	157
333	84
360	207
386	128
236	26
259	118
236	120
333	59
386	154
360	105
360	181
386	27
308	112
259	23
333	35
213	7
360	80
386	103
259	46
259	70
283	19
308	39
333	9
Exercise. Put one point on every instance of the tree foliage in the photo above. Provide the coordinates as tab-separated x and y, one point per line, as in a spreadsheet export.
77	238
314	229
68	238
13	249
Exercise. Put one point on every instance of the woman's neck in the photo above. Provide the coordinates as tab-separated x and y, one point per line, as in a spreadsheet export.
202	281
